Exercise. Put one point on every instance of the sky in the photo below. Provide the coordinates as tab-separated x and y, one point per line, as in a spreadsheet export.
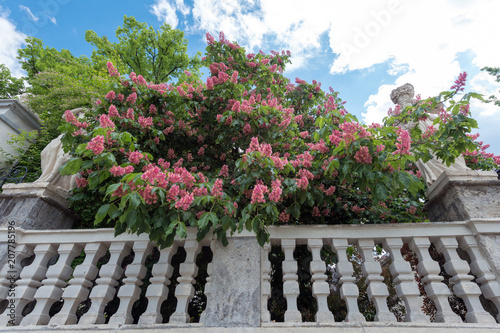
363	49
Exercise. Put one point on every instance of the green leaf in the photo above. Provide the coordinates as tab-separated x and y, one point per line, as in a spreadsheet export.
101	214
135	199
71	167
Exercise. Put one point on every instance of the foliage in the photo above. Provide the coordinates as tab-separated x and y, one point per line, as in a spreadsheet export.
158	56
494	71
9	85
249	149
58	82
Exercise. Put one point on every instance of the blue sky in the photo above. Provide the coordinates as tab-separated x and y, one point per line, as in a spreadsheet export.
363	49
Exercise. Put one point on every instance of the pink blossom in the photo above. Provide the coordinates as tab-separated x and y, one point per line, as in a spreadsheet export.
404	142
224	171
247	129
145	122
117	171
132	97
135	157
236	107
110	95
113	112
152	109
185	202
429	132
128	169
316	212
234	77
330	190
111	69
130	114
460	82
96	144
173	192
276	191
217	188
284	217
363	155
258	193
105	122
81	182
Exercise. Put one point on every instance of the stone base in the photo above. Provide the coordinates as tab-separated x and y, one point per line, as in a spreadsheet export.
464	195
35	206
235	294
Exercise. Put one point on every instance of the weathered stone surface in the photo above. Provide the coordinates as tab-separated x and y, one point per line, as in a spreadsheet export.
235	294
35	207
490	248
460	196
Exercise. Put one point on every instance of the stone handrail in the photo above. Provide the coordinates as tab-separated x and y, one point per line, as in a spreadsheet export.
40	289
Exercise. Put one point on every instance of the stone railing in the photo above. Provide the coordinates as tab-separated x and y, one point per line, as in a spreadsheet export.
69	280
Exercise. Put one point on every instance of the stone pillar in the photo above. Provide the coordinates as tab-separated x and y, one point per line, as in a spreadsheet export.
35	206
463	195
235	296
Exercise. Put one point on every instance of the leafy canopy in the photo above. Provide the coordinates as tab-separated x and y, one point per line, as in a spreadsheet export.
159	56
9	86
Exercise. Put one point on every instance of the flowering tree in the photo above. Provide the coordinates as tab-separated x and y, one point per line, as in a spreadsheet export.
248	149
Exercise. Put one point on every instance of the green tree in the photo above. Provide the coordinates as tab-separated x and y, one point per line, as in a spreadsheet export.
58	82
9	85
158	55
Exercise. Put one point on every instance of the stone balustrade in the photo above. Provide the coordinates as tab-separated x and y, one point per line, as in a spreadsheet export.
430	276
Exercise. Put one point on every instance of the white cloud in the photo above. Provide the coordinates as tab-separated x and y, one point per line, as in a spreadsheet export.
51	18
11	40
165	11
285	24
31	16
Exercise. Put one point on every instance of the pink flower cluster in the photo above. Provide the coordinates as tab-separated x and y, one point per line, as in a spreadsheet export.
145	122
258	193
460	82
363	155
118	171
105	122
276	191
111	69
217	188
404	142
96	144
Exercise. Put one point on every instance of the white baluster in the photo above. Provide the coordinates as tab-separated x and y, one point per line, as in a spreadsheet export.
291	289
12	269
184	291
157	291
130	291
429	270
30	281
376	289
52	288
266	283
462	281
79	286
404	280
105	290
208	287
349	291
320	288
481	269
